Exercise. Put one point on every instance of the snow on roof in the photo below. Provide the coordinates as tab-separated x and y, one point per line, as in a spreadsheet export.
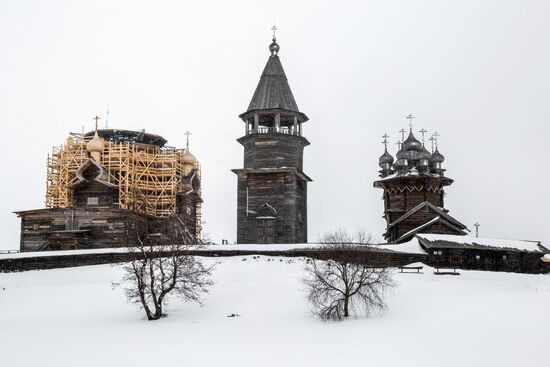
411	247
247	247
476	242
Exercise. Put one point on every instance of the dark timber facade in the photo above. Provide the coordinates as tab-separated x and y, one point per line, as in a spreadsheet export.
414	191
272	187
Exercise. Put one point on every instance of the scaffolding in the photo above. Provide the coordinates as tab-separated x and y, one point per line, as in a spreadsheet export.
148	177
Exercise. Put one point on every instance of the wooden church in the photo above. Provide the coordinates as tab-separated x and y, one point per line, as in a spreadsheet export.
115	188
272	186
414	190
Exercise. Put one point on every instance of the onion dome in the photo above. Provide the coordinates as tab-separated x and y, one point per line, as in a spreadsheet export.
402	154
274	47
424	154
411	143
188	158
385	158
95	145
437	157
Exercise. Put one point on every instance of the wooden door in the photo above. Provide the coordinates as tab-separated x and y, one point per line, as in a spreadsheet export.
266	230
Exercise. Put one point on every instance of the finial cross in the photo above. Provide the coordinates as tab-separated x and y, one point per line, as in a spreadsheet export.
385	141
432	139
410	117
274	29
477	225
187	133
435	136
97	118
423	131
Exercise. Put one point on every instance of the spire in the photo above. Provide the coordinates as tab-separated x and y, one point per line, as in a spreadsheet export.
273	91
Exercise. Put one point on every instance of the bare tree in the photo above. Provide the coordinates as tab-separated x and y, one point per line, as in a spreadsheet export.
337	288
157	272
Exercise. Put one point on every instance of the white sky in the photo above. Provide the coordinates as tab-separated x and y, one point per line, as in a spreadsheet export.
474	71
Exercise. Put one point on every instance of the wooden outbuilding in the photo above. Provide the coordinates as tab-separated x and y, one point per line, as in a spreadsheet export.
467	252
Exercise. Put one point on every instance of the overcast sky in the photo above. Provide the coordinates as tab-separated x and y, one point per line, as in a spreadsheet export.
477	72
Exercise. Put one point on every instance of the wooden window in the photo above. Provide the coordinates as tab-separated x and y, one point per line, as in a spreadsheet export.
93	200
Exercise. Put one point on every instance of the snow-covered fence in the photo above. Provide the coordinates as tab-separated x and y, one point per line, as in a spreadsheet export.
59	259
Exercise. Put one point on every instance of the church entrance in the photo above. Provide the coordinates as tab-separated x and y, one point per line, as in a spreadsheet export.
266	229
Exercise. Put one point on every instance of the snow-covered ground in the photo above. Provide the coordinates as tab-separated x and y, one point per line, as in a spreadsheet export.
72	317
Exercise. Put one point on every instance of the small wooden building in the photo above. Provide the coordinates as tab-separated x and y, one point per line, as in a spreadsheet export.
466	252
115	188
414	192
272	187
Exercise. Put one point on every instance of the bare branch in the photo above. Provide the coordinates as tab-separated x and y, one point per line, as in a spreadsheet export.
335	289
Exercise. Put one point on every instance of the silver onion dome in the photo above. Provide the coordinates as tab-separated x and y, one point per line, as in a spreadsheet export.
385	158
402	154
437	157
411	143
424	154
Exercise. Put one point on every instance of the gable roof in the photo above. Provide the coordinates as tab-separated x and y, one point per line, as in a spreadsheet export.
435	220
440	212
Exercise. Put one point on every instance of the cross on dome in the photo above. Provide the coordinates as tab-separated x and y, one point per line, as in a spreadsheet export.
385	141
410	117
435	136
187	133
96	118
423	131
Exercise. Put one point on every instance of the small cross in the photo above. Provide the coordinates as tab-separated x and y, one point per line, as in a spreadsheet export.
477	225
410	117
423	131
432	139
435	136
187	133
96	121
402	131
274	29
385	141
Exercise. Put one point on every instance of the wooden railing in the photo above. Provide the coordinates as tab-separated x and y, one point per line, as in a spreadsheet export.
272	130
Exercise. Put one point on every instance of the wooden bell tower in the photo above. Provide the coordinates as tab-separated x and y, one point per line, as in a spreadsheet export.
272	188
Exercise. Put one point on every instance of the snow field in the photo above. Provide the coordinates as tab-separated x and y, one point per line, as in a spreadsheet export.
72	317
